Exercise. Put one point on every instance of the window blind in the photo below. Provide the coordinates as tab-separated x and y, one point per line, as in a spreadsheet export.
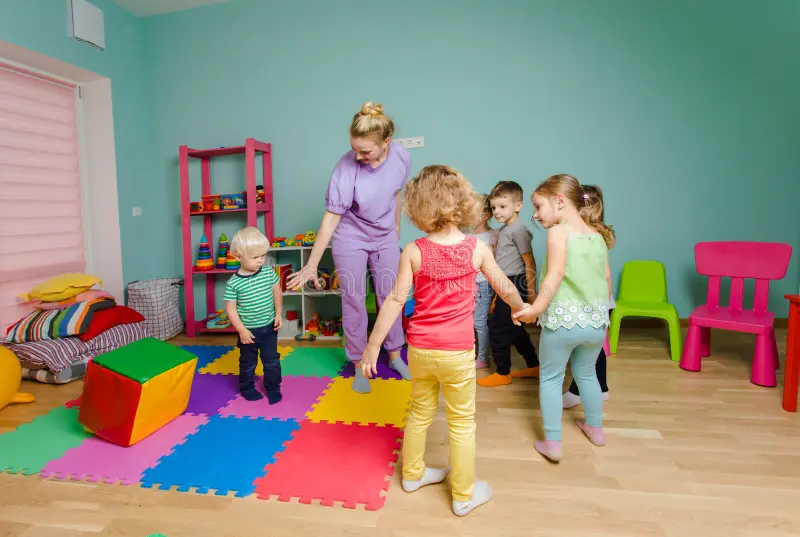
41	227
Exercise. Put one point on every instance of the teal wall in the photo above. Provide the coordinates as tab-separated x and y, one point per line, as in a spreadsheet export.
41	26
685	112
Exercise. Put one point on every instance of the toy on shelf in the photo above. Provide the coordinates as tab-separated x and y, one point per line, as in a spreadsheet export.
298	239
222	254
259	193
328	328
231	263
196	207
212	202
204	261
309	238
279	242
325	279
233	201
335	280
217	320
312	329
282	272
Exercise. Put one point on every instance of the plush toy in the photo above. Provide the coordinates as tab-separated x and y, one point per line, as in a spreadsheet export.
309	238
335	280
324	279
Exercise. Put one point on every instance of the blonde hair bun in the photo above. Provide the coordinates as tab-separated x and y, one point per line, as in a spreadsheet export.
371	121
372	109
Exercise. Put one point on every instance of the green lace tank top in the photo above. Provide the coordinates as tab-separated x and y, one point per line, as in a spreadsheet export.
582	298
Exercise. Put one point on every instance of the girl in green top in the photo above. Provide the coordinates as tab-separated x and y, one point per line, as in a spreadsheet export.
572	305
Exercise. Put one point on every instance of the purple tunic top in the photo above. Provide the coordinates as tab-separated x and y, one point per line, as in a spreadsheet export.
365	196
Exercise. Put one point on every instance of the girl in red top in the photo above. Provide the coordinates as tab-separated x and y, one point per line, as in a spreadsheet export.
441	339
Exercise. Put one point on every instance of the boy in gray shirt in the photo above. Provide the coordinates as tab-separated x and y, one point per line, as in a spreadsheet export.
515	256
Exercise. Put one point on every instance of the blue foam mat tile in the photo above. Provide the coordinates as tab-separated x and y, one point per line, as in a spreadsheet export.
226	454
207	353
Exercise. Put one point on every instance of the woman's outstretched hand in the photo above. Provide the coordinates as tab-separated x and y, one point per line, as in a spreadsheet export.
299	279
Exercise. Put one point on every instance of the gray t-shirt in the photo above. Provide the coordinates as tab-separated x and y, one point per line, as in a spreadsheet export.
514	240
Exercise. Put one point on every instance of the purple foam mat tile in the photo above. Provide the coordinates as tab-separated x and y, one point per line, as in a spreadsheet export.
97	459
299	395
211	392
384	371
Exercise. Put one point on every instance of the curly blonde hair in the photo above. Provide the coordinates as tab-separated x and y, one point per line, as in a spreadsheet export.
588	199
371	121
440	196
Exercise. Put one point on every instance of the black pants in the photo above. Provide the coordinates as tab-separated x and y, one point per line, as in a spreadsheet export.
600	367
503	333
265	339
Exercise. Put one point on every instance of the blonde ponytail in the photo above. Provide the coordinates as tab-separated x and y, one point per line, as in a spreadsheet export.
592	211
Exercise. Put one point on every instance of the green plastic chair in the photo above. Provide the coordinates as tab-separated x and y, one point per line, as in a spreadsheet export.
643	293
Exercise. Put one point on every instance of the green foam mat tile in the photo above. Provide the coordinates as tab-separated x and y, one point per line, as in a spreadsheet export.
29	447
314	361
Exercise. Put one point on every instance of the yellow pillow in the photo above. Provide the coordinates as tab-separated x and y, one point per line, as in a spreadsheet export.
63	286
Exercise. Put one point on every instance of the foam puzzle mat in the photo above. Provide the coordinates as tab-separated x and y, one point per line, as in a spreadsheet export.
225	445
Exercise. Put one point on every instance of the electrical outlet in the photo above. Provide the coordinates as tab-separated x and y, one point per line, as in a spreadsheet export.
411	143
137	211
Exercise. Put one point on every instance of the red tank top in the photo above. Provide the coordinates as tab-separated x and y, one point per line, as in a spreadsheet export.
444	295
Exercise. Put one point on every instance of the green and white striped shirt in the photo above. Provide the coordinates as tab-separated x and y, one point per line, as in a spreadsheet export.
255	301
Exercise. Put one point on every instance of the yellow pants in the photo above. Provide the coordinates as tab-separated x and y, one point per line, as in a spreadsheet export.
455	372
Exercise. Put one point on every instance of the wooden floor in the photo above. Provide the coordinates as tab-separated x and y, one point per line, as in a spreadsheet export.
689	454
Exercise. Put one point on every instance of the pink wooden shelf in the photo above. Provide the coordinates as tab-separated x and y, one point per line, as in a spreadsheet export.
254	212
260	208
259	147
213	271
201	328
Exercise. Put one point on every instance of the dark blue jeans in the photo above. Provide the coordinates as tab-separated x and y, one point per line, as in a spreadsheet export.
265	339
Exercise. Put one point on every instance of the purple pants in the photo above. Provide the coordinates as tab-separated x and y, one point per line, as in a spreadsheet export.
351	258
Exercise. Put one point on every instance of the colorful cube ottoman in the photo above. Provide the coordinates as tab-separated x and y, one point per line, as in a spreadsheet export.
131	392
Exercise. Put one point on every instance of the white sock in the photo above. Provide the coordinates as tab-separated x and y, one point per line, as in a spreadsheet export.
481	493
429	477
570	400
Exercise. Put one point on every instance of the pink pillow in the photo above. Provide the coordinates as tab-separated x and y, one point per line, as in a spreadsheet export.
91	294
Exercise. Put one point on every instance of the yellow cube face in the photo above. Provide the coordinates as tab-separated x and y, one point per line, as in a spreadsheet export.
163	398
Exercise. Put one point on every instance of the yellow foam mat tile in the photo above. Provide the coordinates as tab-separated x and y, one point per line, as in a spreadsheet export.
228	363
387	404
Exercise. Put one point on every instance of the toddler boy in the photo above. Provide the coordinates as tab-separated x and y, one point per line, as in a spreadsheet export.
254	304
514	255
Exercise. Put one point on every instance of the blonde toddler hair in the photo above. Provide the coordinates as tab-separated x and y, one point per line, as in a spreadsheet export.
440	196
248	241
370	121
587	199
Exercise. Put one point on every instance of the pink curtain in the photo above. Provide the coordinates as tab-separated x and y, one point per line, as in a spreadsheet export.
41	228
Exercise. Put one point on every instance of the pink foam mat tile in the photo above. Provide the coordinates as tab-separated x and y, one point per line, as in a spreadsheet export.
98	460
299	396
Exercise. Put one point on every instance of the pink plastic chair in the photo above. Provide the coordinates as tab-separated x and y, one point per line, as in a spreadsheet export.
738	260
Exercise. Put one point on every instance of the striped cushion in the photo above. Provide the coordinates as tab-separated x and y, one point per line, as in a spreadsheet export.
70	321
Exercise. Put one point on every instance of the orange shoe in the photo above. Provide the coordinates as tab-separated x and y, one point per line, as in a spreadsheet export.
527	373
495	379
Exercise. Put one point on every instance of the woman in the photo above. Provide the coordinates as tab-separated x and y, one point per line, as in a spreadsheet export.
362	217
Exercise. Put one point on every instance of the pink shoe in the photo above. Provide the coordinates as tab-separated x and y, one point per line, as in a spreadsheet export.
594	434
550	449
481	364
